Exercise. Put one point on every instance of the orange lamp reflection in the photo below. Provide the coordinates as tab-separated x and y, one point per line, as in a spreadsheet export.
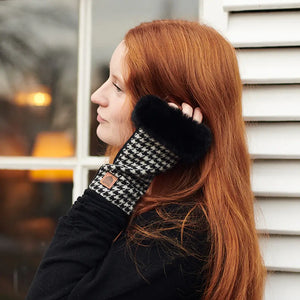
40	98
52	144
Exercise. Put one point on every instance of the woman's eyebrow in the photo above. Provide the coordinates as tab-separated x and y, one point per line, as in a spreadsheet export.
120	79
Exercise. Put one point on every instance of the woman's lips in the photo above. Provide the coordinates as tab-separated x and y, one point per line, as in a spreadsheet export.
99	119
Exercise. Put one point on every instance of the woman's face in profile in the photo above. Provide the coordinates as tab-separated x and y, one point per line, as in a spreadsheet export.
113	105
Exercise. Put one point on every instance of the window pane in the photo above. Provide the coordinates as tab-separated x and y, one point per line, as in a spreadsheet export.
30	205
111	20
38	67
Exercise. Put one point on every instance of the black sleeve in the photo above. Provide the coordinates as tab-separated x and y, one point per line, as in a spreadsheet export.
83	262
82	239
148	270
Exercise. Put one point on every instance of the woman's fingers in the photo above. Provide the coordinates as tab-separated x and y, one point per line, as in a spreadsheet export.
198	115
189	111
173	105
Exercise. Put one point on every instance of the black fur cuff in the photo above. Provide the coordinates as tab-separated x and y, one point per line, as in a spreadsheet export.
182	135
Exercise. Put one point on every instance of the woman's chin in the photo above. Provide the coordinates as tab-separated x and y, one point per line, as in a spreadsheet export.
100	135
106	139
115	140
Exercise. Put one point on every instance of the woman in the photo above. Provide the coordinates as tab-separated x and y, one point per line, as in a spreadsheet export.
171	216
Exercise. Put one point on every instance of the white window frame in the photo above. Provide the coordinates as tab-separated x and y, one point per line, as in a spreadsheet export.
82	162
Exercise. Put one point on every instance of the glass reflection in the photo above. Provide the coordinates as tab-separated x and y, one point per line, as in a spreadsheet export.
38	67
29	211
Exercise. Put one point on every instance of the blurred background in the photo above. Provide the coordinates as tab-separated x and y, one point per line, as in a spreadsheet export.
38	96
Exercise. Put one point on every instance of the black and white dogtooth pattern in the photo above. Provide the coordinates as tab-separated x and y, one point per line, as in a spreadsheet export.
135	166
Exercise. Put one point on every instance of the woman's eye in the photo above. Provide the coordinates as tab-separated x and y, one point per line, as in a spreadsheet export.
118	89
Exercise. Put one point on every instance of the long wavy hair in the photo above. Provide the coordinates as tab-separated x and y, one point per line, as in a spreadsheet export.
182	61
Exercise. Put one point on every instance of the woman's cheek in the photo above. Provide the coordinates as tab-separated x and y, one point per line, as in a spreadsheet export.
125	131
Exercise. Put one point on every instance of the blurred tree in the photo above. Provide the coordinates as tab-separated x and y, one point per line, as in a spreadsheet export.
28	29
38	47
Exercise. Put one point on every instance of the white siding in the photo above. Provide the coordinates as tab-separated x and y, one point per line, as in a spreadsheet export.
240	5
266	34
276	178
277	215
270	65
281	253
271	102
264	29
269	140
283	286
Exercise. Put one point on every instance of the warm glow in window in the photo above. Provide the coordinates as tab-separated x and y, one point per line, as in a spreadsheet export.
33	99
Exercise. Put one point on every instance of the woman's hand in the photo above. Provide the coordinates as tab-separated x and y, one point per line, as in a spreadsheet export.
189	111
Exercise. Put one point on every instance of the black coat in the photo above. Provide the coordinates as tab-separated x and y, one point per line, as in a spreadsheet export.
83	262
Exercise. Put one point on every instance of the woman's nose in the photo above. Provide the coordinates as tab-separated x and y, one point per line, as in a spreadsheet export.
98	97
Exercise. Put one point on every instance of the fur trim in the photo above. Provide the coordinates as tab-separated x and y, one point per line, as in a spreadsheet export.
182	135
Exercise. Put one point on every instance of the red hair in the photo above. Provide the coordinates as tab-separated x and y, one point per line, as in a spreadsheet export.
182	61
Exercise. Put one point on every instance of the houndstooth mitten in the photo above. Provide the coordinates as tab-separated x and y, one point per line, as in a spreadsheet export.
163	137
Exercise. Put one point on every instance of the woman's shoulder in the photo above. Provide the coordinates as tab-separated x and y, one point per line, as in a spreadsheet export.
181	226
184	213
175	235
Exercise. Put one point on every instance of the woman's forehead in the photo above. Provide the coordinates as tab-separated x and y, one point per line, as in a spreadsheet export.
117	65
